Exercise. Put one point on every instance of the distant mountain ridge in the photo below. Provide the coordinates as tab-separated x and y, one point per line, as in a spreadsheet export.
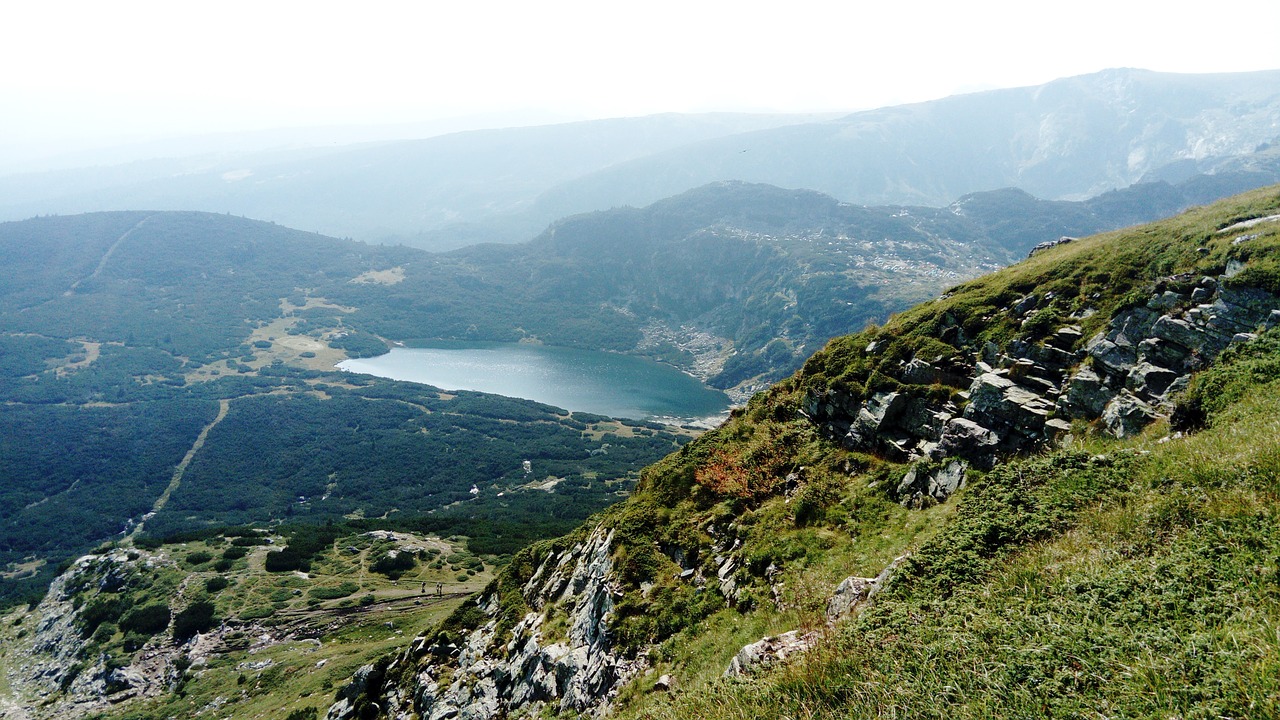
1067	139
764	273
380	192
735	282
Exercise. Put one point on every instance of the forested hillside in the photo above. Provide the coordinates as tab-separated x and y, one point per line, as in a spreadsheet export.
167	373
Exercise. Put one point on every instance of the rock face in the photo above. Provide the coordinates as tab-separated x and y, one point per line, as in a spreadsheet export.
1024	396
489	673
1049	244
55	668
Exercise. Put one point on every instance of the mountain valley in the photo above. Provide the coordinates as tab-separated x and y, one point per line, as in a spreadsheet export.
745	533
1005	377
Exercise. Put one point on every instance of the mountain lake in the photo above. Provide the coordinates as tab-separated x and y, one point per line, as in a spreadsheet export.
590	381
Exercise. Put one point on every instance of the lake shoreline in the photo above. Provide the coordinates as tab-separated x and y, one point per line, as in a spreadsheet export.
591	381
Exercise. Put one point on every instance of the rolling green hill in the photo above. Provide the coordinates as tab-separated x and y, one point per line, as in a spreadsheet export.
1050	491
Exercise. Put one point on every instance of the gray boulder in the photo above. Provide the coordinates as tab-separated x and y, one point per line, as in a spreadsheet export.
1179	332
1085	396
1014	412
878	412
919	372
1126	415
349	696
1150	380
849	594
1163	353
938	483
1065	338
967	439
769	651
1111	358
1041	247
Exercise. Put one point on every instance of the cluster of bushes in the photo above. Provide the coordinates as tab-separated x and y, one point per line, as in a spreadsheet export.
306	542
394	563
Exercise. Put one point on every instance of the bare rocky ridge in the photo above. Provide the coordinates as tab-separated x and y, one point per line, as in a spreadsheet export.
50	677
1024	396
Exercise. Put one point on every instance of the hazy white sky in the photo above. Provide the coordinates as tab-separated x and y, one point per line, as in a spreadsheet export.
129	67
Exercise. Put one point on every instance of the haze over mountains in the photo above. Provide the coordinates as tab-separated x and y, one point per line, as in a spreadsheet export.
1068	139
168	396
379	192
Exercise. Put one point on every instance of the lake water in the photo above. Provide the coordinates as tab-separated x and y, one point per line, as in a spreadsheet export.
581	380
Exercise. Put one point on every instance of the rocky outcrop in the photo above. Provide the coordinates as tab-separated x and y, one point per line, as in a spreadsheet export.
55	669
488	673
769	651
1147	353
491	672
850	594
936	483
1024	396
1050	244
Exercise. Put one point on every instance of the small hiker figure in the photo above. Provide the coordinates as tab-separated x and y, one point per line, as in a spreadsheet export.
439	589
423	591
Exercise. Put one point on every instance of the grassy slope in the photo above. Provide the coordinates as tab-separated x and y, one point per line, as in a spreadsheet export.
1136	579
1052	585
1128	579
